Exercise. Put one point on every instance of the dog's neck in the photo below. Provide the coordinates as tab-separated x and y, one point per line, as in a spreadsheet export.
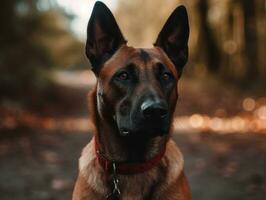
128	149
120	148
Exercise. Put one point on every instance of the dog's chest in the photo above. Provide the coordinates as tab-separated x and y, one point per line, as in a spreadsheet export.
145	185
140	186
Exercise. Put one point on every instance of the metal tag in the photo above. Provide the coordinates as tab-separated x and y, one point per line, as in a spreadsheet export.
116	191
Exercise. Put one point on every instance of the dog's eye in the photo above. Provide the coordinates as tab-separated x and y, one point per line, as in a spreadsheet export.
166	76
123	76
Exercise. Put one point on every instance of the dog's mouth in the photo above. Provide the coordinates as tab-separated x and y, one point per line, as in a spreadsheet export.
128	126
124	131
143	131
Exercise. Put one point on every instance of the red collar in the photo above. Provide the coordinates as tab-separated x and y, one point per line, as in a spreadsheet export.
127	167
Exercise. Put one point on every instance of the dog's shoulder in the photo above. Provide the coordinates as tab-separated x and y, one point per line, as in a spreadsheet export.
175	184
173	161
87	157
89	169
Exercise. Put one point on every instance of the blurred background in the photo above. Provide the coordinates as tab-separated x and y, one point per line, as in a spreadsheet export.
220	122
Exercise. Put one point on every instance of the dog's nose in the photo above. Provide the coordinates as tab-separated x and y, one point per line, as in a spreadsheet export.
154	110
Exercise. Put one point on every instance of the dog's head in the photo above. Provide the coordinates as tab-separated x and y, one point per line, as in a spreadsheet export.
137	88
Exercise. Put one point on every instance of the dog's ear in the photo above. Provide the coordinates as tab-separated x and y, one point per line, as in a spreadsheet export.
173	38
103	36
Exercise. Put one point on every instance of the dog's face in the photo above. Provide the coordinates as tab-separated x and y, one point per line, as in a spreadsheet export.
137	88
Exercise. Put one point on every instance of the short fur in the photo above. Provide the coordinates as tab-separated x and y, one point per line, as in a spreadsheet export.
118	110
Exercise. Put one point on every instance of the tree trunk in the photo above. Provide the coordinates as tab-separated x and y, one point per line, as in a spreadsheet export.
251	40
207	42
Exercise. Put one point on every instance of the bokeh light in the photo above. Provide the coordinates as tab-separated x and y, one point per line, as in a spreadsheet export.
249	104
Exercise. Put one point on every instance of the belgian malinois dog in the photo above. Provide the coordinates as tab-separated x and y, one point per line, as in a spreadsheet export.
132	155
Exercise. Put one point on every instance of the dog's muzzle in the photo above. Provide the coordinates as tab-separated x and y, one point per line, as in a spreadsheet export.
151	119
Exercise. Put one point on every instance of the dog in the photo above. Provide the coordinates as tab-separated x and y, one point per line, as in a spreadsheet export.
132	155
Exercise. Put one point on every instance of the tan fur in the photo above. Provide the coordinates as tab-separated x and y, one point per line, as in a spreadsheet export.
136	89
166	181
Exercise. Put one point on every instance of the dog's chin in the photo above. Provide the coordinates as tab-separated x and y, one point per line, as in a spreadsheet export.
142	129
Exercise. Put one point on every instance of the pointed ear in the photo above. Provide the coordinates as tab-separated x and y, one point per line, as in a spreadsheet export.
103	36
173	38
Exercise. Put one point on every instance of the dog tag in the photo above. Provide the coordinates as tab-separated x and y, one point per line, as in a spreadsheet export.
116	191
